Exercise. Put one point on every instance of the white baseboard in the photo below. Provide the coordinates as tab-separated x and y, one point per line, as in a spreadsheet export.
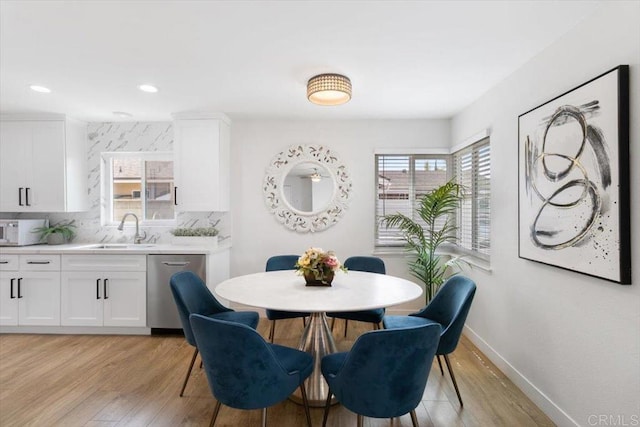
71	330
553	411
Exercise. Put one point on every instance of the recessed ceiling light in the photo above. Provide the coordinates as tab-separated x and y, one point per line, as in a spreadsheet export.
148	88
123	114
40	89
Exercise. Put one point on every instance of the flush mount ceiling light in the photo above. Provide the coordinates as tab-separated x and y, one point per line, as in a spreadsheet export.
148	88
40	89
315	176
329	89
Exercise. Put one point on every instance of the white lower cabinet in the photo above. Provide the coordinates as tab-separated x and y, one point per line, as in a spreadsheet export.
115	296
104	298
30	290
38	298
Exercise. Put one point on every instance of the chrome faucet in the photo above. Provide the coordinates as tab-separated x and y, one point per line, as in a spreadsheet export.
137	238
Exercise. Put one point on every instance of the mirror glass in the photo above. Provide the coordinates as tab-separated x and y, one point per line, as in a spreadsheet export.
308	187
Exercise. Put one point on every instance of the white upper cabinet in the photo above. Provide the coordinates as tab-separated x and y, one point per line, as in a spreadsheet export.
43	165
202	156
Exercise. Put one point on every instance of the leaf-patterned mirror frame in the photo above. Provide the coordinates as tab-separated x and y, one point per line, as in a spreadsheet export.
291	218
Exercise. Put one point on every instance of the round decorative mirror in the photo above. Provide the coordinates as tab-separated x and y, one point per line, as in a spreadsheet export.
307	187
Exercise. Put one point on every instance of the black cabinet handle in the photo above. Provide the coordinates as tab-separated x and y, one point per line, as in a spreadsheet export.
26	196
106	281
20	196
39	262
4	262
175	196
19	288
97	288
12	295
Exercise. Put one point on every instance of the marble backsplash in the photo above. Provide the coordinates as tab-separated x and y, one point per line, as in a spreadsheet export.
125	137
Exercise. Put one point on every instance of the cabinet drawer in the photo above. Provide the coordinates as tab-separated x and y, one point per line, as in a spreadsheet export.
104	262
40	262
9	263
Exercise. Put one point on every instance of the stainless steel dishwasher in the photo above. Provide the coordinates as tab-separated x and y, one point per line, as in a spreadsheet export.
162	314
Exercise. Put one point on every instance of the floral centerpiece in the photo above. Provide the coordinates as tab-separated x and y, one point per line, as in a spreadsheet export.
318	267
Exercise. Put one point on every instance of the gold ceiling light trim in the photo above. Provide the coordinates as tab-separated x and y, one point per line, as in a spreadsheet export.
329	89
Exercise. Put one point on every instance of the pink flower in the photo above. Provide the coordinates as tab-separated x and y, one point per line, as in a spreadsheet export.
332	262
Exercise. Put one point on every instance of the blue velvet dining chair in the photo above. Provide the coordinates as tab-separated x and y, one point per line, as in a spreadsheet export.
384	374
277	263
371	265
192	296
449	308
246	372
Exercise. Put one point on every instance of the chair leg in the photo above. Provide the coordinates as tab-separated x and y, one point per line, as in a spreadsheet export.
346	323
215	414
414	418
264	417
272	331
333	322
304	322
440	364
360	420
327	405
376	326
305	402
455	384
186	378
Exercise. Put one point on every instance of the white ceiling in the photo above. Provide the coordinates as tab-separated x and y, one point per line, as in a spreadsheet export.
252	59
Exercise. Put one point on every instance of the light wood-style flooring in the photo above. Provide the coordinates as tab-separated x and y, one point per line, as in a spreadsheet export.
82	380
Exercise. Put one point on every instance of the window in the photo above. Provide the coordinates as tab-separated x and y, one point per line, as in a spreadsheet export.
141	183
472	169
402	181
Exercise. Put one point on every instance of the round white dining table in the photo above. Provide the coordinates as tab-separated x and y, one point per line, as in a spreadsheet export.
286	290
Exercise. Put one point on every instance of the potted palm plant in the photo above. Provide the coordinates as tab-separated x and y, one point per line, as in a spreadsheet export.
57	234
437	209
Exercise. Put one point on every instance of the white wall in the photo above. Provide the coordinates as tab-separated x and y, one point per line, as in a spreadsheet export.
570	341
257	234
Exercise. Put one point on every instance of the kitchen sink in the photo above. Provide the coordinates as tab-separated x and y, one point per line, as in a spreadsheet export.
117	246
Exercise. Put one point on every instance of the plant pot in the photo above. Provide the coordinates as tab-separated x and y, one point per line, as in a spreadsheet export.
324	281
208	241
56	239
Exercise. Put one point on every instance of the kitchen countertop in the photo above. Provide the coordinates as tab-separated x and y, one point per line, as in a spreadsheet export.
114	248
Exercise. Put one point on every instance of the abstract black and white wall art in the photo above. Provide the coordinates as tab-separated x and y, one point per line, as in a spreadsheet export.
574	179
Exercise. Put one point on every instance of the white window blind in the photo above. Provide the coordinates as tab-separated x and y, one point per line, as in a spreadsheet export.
401	183
472	169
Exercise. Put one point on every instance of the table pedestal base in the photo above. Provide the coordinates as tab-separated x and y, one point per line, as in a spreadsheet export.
316	340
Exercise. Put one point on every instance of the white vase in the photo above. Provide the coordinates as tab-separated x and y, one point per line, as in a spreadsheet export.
56	239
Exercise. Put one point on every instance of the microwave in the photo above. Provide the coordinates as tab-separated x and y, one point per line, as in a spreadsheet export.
19	232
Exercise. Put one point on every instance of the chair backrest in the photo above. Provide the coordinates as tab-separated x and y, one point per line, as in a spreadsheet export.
369	264
386	371
450	307
282	262
241	368
192	296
